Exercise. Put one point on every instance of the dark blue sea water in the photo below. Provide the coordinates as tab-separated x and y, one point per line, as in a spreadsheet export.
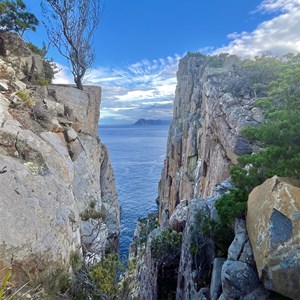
137	155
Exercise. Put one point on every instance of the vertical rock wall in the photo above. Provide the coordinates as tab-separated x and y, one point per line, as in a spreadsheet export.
204	137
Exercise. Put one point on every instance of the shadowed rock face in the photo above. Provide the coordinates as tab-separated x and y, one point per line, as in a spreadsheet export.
273	228
52	167
204	137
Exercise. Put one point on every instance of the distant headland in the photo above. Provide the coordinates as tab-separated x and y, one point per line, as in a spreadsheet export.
144	122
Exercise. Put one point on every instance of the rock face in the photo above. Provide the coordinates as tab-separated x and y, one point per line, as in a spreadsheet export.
204	138
239	276
198	251
57	186
274	230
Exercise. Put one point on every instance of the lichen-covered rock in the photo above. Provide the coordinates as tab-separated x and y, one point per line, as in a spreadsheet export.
204	137
238	279
274	230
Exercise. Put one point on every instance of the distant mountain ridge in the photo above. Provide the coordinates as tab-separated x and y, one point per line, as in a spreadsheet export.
145	122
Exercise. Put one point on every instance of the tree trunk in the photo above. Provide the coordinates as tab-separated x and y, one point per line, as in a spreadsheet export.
78	82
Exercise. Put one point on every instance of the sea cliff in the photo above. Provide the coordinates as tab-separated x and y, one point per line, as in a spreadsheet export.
58	195
186	253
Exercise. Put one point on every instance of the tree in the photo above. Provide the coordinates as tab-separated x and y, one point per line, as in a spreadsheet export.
70	25
14	17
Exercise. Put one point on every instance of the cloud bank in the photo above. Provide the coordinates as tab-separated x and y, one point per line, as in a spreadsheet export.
278	35
146	89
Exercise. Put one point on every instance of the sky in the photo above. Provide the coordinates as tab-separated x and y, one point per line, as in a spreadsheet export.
139	43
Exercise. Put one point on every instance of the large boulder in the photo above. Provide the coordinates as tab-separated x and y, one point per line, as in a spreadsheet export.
273	223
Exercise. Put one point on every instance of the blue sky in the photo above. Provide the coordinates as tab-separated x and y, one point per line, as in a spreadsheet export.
139	43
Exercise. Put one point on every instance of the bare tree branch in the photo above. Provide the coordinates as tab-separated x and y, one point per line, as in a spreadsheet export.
70	26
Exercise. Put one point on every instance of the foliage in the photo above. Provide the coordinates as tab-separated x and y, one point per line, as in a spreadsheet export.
204	231
75	260
222	235
24	96
4	283
57	282
42	81
166	247
252	76
278	138
146	225
14	17
49	67
70	26
91	212
105	275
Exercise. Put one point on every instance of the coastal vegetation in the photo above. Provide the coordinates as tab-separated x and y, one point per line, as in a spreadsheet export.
275	83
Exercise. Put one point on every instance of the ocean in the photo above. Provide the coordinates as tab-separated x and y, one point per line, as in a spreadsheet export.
137	154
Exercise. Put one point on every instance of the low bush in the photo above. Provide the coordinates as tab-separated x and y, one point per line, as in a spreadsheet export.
166	247
91	212
25	98
105	275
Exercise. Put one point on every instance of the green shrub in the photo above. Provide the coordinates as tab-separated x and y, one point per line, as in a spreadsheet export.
49	67
91	212
42	81
24	96
278	138
147	225
57	282
105	275
166	247
204	231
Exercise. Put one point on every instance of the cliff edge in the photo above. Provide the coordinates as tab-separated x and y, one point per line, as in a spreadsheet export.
58	194
204	138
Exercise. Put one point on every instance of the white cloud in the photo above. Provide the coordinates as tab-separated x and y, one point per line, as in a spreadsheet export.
279	5
278	35
146	88
134	88
63	76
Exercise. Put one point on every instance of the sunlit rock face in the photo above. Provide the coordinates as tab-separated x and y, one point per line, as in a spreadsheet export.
274	231
53	172
204	138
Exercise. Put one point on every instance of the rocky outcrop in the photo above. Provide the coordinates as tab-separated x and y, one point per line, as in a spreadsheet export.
58	195
204	138
274	232
198	250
